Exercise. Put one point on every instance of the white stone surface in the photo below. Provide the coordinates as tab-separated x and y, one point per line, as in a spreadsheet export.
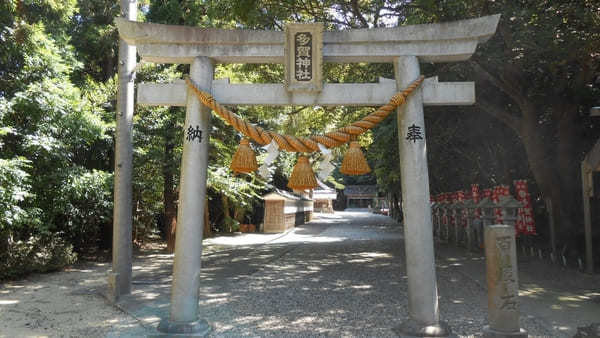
418	228
119	278
333	94
442	42
190	214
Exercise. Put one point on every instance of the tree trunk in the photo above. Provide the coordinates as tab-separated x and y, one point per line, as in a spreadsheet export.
396	208
569	156
540	157
207	230
226	216
569	159
551	161
239	214
169	193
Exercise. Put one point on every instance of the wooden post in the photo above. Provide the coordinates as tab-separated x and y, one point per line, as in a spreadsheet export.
550	209
587	187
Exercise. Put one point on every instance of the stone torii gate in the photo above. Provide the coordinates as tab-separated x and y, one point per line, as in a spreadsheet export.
403	46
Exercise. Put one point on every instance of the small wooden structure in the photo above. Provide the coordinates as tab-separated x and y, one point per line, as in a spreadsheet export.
589	165
360	196
284	210
324	197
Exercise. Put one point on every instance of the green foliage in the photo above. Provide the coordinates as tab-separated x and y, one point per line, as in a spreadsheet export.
55	196
36	254
95	38
28	54
14	196
243	190
83	207
24	247
230	224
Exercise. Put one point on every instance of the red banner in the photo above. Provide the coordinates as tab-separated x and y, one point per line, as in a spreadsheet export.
525	222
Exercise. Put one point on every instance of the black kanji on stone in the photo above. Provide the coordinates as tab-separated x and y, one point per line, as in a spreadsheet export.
193	134
414	133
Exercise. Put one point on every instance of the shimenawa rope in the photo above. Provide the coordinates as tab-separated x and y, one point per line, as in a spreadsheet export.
304	144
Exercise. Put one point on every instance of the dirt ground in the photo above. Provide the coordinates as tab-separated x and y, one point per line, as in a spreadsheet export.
70	303
62	304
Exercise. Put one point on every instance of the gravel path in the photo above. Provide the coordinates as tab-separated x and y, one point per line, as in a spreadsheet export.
62	304
341	275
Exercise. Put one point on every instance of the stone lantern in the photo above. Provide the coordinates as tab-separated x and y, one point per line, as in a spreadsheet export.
444	233
510	207
435	212
433	205
452	210
469	207
486	205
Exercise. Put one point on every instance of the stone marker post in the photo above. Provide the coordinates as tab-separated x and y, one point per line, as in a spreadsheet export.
502	282
471	217
439	221
436	220
469	225
446	216
486	207
424	318
119	278
190	216
457	219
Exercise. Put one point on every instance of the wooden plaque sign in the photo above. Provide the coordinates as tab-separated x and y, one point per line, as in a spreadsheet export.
304	57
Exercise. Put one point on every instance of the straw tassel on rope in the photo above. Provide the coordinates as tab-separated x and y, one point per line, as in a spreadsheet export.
354	162
302	177
244	159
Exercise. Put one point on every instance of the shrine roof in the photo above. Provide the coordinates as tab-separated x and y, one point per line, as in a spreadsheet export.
361	191
324	192
283	195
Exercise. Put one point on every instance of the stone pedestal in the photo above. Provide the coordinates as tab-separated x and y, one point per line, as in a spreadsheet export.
168	328
411	328
490	333
502	282
190	217
113	292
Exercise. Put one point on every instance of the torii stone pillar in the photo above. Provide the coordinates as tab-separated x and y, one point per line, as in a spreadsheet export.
190	214
424	318
119	278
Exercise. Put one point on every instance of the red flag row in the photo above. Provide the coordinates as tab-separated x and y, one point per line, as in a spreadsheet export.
525	223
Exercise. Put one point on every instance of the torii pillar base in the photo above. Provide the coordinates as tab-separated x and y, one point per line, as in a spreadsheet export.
411	328
168	328
491	333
